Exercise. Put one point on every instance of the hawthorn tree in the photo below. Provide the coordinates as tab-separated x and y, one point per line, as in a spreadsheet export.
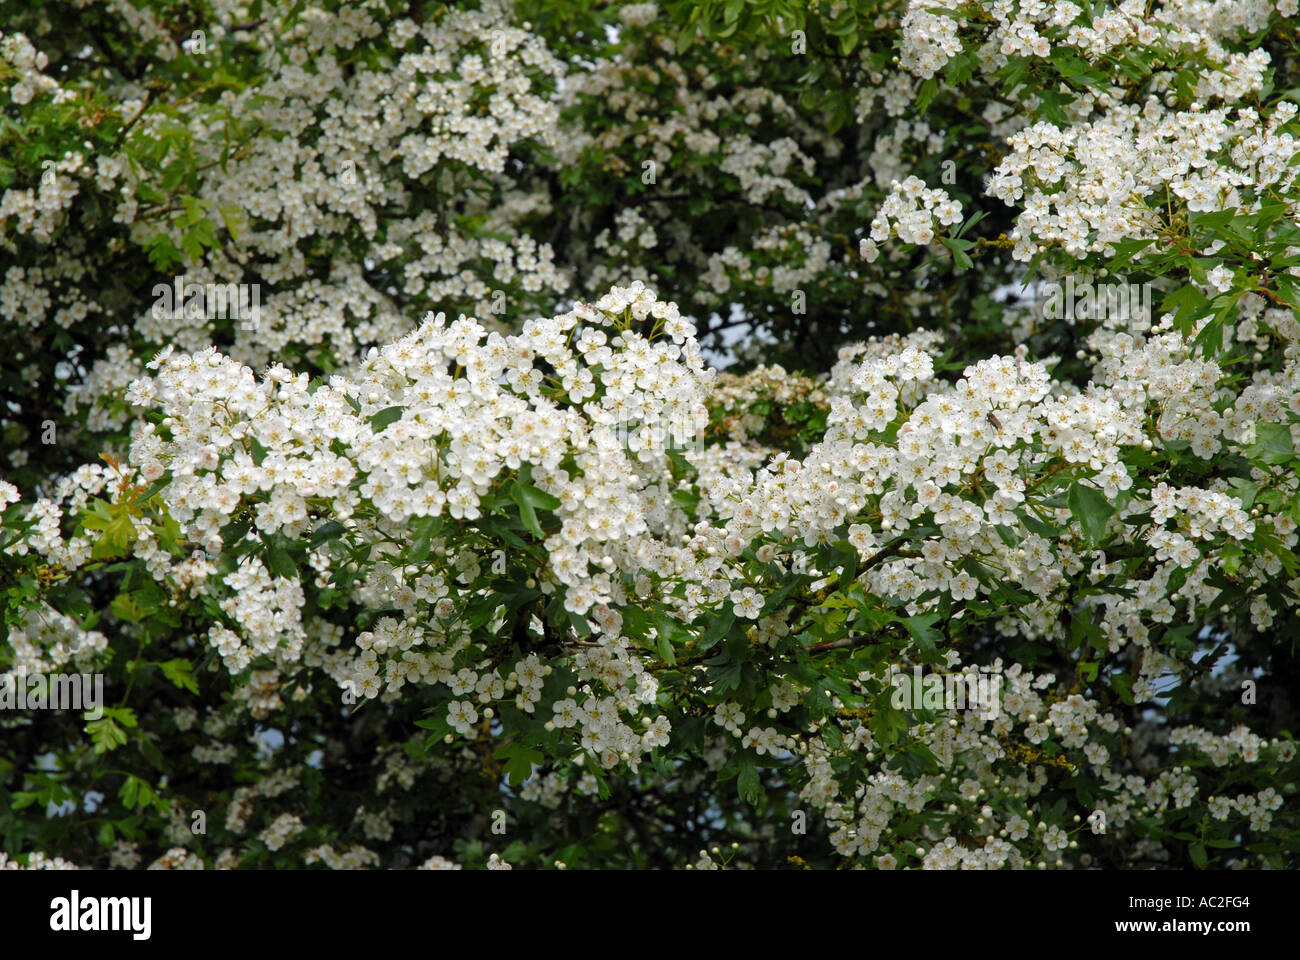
362	430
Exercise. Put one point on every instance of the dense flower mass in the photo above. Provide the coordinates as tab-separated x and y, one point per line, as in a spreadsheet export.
980	552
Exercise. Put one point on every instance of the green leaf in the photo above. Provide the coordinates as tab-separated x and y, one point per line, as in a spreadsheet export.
125	608
326	532
959	256
1272	444
519	761
150	751
117	536
1244	490
123	715
888	724
1199	857
728	678
671	634
105	734
1122	684
747	783
384	417
719	627
162	252
129	792
923	631
178	672
926	94
1186	302
1091	508
530	500
280	562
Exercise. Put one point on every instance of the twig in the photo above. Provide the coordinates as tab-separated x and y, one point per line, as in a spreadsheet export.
148	102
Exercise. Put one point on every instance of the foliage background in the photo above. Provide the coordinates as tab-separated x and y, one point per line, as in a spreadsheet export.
343	157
